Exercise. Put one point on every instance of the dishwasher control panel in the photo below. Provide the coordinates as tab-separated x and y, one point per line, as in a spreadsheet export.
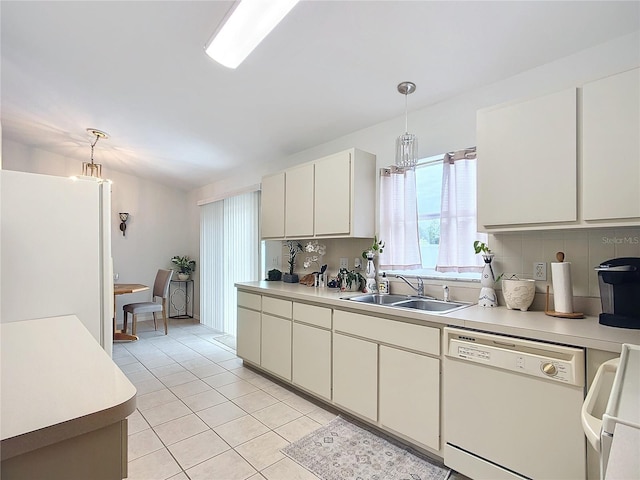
537	359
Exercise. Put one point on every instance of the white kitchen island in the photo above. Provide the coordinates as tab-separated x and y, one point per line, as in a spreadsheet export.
63	403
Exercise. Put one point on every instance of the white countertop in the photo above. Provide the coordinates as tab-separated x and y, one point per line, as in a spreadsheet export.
57	382
585	332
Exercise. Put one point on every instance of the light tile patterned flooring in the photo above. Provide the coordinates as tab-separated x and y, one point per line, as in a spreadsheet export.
202	415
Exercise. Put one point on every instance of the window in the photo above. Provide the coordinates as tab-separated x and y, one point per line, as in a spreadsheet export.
429	190
229	253
457	220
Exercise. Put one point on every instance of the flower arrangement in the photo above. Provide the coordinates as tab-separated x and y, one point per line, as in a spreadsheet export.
184	263
318	249
376	247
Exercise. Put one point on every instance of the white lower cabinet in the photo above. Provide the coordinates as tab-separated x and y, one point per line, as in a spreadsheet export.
249	336
355	375
409	395
312	348
384	371
312	359
276	345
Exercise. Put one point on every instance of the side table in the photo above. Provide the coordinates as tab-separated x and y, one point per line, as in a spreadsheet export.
181	299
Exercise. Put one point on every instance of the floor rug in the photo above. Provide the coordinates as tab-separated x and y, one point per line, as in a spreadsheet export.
342	450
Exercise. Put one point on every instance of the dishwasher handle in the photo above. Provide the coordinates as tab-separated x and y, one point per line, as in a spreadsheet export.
591	424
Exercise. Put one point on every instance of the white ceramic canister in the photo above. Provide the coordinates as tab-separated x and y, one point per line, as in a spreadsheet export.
518	293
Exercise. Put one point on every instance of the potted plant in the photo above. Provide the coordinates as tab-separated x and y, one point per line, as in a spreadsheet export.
350	280
488	296
371	286
185	265
294	249
376	247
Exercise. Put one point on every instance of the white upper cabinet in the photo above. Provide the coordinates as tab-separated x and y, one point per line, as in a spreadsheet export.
611	147
272	206
562	161
331	197
527	162
299	201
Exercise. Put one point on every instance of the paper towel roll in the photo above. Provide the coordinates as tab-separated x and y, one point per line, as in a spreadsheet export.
562	288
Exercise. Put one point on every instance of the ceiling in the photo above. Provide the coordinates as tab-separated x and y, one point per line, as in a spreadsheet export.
137	70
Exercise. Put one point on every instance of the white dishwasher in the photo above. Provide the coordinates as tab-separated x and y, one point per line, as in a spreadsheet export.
512	407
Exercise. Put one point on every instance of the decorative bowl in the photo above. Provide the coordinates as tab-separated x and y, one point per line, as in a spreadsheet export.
518	293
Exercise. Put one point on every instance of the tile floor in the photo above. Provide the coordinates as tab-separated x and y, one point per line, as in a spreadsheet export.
202	415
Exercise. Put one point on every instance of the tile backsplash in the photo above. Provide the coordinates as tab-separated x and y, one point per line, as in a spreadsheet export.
516	253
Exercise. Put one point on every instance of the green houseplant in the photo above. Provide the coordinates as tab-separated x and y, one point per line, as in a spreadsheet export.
376	247
185	265
350	280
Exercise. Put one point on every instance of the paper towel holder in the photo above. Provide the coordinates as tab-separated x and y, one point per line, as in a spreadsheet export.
553	313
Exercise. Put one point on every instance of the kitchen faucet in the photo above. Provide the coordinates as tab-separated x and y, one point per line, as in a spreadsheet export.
419	289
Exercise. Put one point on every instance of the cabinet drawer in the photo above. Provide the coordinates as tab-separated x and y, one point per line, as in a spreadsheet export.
407	335
277	306
313	315
249	300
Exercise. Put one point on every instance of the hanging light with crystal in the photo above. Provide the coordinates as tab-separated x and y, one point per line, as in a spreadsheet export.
406	144
91	169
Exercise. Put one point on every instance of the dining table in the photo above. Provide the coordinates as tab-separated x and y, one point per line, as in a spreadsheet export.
123	289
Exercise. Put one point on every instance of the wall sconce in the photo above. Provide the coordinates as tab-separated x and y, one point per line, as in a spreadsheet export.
123	222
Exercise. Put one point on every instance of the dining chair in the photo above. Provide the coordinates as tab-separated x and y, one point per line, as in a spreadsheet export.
160	290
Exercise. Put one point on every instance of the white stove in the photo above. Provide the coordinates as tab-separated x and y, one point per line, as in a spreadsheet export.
617	434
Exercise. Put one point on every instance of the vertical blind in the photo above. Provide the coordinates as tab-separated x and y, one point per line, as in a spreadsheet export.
229	253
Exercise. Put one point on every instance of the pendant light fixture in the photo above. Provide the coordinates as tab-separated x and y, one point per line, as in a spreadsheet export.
91	169
407	144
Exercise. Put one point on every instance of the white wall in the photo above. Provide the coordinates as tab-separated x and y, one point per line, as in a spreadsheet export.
452	125
158	226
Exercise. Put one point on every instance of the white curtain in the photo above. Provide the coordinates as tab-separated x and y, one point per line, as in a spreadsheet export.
458	225
399	220
229	253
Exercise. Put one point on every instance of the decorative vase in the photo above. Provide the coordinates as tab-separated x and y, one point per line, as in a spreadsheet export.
290	278
487	293
183	277
371	285
518	293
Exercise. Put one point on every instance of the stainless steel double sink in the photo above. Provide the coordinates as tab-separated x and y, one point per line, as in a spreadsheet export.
408	301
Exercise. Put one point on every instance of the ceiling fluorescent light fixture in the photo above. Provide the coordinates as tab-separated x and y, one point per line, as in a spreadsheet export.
244	28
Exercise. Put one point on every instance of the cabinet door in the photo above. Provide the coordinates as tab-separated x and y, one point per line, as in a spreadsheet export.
276	345
611	147
248	336
299	201
527	165
333	206
272	206
312	359
355	375
410	395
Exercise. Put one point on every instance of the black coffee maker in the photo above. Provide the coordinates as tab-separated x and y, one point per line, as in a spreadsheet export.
619	281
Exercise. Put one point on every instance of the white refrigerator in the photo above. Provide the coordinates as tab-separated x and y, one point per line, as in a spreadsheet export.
56	250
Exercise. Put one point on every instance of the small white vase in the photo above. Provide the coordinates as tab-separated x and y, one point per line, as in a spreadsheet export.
487	296
183	277
371	284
